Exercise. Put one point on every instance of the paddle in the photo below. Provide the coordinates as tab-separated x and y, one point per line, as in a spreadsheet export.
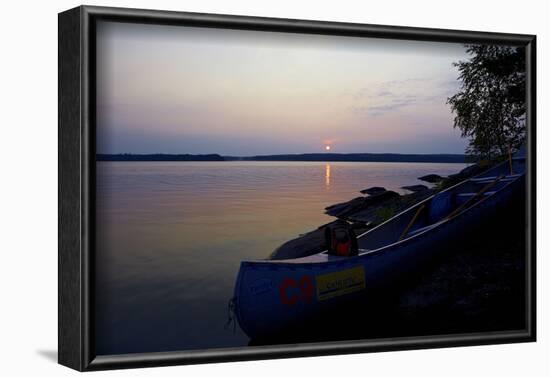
411	222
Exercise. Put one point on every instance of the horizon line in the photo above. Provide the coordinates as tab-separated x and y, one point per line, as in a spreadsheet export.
280	154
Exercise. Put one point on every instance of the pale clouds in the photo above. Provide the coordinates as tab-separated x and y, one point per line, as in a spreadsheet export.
390	96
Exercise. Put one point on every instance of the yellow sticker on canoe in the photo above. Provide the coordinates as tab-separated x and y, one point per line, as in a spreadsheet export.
340	283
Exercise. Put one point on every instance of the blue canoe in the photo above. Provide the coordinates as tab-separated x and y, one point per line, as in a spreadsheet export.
272	296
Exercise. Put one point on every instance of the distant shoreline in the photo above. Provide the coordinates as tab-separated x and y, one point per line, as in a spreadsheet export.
305	157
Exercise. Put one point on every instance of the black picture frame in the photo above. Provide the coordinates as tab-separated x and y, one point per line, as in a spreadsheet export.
76	119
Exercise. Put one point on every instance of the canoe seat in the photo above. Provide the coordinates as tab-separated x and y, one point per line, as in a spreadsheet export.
492	180
505	178
463	197
470	194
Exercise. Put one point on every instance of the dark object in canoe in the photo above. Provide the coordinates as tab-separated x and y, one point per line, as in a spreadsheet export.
431	178
373	190
340	239
415	188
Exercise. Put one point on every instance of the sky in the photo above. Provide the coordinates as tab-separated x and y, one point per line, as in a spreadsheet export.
174	89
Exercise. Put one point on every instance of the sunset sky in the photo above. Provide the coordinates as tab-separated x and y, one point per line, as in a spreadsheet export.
170	89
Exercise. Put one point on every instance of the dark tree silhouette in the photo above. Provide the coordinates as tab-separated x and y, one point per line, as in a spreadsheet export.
490	106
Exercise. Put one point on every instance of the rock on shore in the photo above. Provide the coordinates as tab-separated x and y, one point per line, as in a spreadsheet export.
341	210
431	178
373	190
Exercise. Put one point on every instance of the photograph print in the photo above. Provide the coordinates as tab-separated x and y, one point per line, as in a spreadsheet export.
262	188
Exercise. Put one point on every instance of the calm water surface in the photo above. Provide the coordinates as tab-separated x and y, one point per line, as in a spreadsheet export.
171	235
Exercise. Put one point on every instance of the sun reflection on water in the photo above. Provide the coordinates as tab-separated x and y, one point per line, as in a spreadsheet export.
327	175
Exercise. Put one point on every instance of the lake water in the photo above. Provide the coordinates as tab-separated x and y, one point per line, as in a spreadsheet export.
171	235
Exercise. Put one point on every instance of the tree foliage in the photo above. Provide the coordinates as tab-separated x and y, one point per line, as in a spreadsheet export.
490	105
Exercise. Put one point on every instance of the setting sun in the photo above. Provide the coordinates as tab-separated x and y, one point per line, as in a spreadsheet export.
327	147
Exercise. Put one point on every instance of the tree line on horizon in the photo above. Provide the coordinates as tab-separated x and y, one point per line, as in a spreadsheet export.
329	157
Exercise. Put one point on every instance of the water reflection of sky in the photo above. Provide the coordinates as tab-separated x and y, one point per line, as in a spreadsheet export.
171	235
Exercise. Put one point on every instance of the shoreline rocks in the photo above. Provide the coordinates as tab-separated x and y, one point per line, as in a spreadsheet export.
375	215
365	212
